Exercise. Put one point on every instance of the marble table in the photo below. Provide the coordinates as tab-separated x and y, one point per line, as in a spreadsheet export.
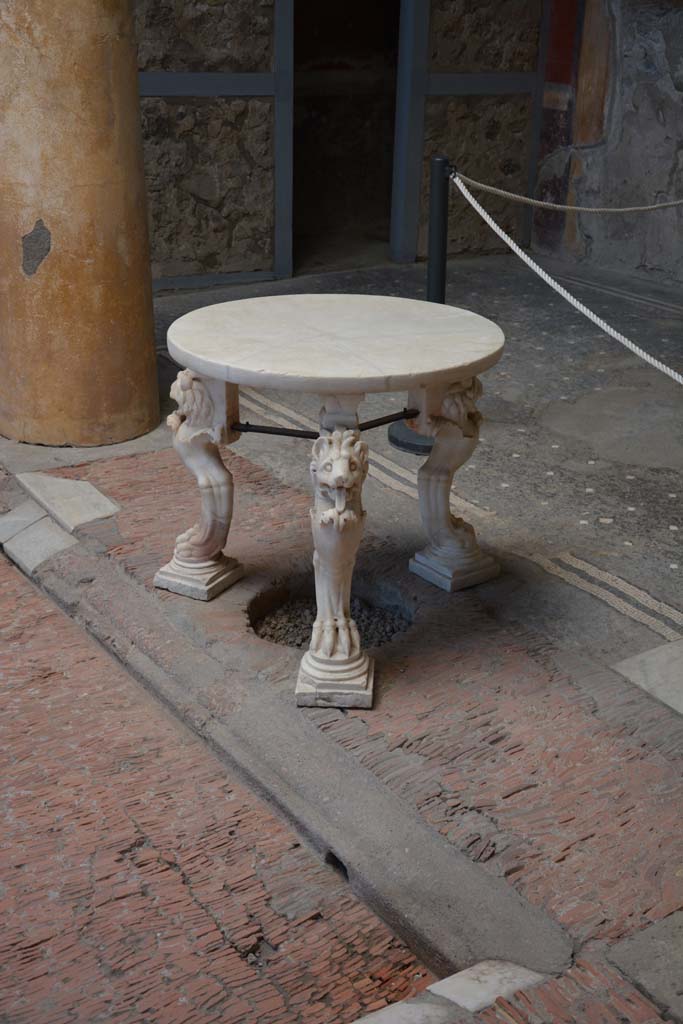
339	347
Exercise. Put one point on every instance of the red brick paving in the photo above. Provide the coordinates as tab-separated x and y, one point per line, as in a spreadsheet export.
142	884
575	798
589	993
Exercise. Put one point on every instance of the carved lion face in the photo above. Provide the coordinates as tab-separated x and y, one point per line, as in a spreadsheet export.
194	403
339	466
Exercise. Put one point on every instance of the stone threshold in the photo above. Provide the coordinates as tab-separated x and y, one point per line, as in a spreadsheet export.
454	999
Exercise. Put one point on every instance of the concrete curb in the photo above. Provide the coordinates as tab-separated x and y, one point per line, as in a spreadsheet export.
451	911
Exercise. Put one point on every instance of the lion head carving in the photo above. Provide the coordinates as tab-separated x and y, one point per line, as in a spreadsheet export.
338	468
459	406
195	408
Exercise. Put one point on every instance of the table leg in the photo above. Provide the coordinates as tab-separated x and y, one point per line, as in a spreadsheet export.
452	559
199	569
335	672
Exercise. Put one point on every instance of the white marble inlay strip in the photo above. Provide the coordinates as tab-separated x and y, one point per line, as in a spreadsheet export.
603	595
641	596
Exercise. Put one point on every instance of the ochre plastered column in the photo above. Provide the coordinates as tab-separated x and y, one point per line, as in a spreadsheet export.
77	362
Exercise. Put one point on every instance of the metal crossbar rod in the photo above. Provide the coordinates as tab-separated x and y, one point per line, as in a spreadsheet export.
404	414
259	428
311	435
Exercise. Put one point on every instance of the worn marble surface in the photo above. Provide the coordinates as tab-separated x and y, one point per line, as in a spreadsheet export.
335	343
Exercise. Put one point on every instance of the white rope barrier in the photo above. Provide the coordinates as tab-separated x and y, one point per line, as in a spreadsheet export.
481	187
598	321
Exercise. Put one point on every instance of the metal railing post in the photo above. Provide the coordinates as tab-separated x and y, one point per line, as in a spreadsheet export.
400	435
440	169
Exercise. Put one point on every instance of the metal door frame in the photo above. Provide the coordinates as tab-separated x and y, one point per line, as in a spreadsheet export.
413	85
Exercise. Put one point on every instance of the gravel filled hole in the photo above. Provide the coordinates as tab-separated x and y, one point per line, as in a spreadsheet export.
290	624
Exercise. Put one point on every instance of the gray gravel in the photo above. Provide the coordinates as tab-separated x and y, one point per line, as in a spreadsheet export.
291	623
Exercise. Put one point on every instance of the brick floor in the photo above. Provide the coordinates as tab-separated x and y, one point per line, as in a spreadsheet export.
573	795
141	883
589	993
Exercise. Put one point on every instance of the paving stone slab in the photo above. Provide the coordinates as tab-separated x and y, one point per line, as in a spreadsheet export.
17	519
653	960
37	543
480	985
71	502
424	1009
658	671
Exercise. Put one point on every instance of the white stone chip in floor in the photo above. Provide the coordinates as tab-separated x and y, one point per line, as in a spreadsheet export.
659	672
480	985
38	542
452	1000
72	503
17	519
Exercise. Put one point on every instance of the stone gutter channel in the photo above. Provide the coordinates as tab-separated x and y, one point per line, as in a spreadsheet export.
448	909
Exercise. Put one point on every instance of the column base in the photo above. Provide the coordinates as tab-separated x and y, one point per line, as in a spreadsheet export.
473	571
335	683
201	581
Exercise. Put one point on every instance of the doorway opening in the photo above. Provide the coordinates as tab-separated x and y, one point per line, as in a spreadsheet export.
345	60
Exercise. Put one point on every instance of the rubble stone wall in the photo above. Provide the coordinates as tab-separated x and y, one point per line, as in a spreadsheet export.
484	35
204	35
488	137
208	162
626	147
210	185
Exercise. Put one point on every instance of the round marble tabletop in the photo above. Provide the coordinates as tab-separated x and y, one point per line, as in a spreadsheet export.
348	344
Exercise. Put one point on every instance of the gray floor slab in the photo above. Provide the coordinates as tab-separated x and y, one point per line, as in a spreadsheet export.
658	671
72	503
653	960
17	519
37	543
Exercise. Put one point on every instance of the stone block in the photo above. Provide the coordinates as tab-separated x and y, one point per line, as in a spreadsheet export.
479	986
17	519
659	672
72	503
653	960
37	543
424	1009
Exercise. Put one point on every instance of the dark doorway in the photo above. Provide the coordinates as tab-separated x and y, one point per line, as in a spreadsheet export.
344	98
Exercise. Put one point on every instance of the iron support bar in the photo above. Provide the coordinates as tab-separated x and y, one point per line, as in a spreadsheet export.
311	435
257	428
405	414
